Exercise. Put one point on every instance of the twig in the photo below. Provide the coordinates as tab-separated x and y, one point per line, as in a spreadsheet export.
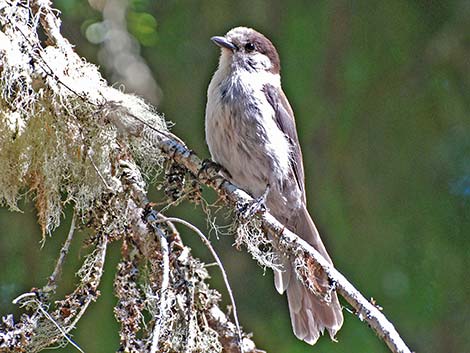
95	167
163	290
221	266
96	272
20	300
51	283
62	331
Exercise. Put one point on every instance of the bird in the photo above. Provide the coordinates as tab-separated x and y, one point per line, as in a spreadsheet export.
251	133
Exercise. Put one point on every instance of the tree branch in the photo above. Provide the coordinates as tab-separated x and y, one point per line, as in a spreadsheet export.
51	285
88	113
289	242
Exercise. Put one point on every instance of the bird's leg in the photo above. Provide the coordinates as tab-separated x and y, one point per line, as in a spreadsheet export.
250	209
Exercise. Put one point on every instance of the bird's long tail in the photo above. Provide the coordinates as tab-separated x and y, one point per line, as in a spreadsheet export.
309	314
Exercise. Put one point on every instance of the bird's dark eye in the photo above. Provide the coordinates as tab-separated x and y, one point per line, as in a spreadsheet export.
249	46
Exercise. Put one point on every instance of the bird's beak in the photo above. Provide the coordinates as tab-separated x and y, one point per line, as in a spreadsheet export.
223	42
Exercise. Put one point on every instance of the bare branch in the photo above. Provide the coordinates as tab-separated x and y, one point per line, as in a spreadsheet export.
52	282
164	305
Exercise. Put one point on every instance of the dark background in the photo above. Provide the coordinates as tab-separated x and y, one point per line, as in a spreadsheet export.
381	93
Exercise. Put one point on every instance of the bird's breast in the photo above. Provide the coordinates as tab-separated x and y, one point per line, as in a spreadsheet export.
243	136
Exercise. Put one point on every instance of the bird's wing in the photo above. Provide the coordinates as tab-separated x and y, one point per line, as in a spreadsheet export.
284	117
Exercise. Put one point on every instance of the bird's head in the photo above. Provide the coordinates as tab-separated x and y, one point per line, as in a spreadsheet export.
246	49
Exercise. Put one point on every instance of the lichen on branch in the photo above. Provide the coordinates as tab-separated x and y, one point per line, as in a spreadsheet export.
67	137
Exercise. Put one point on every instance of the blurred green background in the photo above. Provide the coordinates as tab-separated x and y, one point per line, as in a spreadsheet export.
381	93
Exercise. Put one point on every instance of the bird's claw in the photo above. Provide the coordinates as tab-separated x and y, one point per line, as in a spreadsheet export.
248	210
209	165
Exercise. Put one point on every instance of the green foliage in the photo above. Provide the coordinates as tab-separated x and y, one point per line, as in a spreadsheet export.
144	27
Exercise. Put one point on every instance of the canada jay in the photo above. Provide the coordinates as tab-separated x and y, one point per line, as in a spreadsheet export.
250	131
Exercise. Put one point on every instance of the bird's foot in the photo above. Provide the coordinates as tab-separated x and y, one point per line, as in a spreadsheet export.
248	210
211	167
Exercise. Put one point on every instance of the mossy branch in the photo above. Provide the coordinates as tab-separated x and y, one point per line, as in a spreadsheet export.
64	131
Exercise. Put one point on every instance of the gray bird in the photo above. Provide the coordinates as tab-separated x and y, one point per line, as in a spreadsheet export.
250	131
